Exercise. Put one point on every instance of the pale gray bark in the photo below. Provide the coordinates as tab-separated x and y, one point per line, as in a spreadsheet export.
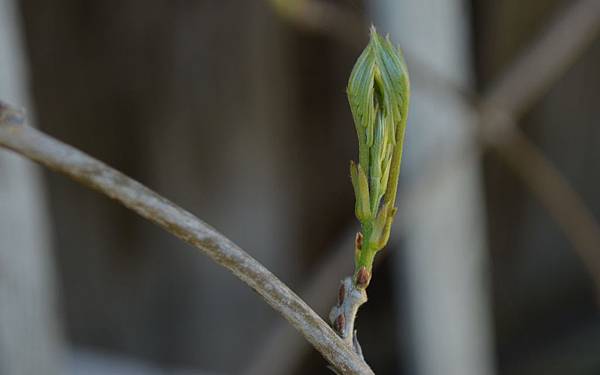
283	349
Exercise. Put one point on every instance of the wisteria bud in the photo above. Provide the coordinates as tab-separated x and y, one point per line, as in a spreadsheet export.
378	93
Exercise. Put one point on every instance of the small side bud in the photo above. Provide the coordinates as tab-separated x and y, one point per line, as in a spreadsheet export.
363	208
354	177
341	295
358	241
380	225
339	324
361	191
383	240
362	278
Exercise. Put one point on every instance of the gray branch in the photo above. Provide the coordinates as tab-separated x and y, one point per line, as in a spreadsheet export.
343	315
37	146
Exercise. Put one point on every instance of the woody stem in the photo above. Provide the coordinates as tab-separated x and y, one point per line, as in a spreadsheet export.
352	294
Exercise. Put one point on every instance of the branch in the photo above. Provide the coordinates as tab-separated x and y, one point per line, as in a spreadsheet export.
282	350
35	145
526	80
556	194
545	60
324	18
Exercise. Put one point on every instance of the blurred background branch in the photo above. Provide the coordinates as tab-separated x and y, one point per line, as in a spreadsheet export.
558	197
329	19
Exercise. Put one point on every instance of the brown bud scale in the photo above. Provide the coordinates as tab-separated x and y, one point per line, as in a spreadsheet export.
362	278
358	242
341	295
339	323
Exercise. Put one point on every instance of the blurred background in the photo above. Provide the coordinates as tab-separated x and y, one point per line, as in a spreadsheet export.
236	110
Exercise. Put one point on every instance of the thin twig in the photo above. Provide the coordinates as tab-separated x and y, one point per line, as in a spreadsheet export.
343	315
35	145
283	349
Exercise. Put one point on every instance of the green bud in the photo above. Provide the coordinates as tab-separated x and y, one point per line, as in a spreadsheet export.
378	93
382	226
361	191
